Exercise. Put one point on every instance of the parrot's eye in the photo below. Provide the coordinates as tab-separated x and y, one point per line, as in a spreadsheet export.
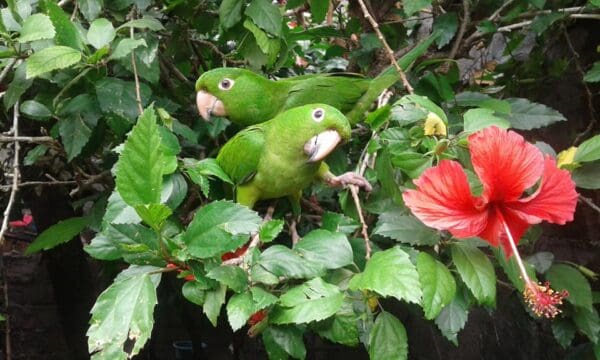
226	84
318	115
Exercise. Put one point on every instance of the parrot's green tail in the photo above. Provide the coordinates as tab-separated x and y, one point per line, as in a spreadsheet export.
387	78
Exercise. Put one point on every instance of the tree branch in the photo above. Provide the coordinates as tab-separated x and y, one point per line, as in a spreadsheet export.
216	50
11	63
16	174
462	30
589	202
386	46
138	94
27	139
588	93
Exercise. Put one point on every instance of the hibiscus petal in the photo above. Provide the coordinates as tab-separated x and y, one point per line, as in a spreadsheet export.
495	234
505	163
555	199
443	200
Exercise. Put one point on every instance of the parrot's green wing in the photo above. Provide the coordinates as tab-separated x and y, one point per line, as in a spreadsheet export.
338	90
239	157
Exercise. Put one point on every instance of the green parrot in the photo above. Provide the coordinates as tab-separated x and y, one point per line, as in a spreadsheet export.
247	98
282	156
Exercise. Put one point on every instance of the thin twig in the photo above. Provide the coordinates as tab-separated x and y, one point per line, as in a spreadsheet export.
40	183
174	70
7	69
589	202
570	10
386	46
588	93
16	173
216	50
497	13
138	94
364	228
463	28
27	139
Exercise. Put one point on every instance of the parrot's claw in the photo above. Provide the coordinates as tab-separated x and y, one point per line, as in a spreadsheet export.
350	178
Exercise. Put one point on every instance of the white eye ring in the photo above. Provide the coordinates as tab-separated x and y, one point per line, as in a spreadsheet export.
318	115
226	84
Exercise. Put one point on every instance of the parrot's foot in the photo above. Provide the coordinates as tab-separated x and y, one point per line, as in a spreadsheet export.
349	178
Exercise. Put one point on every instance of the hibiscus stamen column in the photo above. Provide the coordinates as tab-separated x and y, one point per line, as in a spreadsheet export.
542	299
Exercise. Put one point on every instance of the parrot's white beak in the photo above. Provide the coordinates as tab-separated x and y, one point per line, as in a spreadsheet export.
321	145
209	105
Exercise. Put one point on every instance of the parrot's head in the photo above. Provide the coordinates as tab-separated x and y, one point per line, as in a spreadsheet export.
316	128
238	94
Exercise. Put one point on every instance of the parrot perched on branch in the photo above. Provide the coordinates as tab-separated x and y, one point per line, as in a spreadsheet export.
282	156
247	98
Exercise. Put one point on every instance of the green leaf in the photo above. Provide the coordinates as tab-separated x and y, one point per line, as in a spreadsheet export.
101	33
219	227
193	292
262	298
593	75
239	308
527	115
266	15
341	328
388	338
424	102
17	87
281	261
144	23
331	250
589	150
35	110
34	154
565	277
453	318
102	247
153	215
66	32
51	58
587	322
125	47
564	332
268	46
390	273
512	271
541	261
281	341
318	9
411	7
57	234
542	22
213	301
230	13
36	27
123	313
119	97
477	119
411	162
118	212
476	271
405	229
206	167
75	132
587	176
338	223
232	276
312	301
90	8
438	284
446	24
269	230
174	190
139	170
469	98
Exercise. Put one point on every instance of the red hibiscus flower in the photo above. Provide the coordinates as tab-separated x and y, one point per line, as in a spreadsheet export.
507	165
